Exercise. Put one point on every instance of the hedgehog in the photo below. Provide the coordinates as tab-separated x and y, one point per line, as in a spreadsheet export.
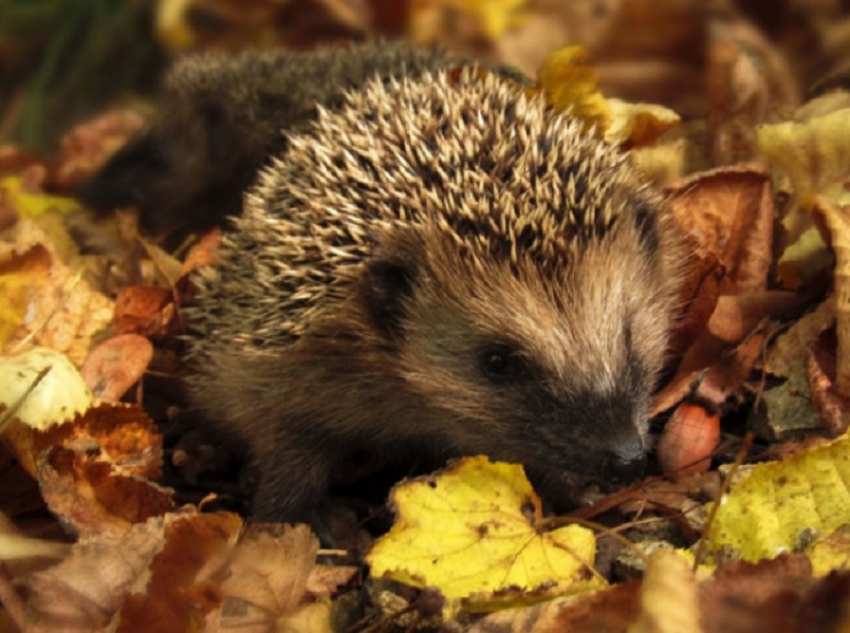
443	266
221	116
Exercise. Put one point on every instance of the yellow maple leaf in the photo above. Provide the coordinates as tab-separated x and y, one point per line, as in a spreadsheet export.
765	514
570	85
468	531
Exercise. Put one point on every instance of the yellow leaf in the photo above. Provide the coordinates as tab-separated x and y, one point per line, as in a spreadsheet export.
816	157
496	16
468	532
804	259
831	553
569	84
638	124
32	205
41	388
765	514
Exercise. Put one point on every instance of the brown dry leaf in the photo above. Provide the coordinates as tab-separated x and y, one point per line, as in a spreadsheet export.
270	572
93	498
145	310
785	411
83	592
733	320
123	435
608	611
180	589
730	211
116	365
726	376
837	220
821	362
759	598
203	252
167	266
749	83
699	292
148	578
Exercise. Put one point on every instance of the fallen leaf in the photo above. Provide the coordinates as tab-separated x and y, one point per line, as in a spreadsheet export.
730	211
116	365
607	611
570	85
93	498
838	221
63	311
145	310
816	157
638	124
765	514
18	276
821	361
41	388
476	516
178	592
31	205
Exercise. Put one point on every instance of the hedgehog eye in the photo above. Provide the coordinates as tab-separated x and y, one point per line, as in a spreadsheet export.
500	361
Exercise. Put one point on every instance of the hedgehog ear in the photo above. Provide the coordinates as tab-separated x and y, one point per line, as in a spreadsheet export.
387	282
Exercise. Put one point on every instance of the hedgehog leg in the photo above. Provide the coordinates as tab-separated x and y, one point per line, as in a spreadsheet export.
294	479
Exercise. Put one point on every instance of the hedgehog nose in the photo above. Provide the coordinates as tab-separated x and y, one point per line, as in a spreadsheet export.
626	465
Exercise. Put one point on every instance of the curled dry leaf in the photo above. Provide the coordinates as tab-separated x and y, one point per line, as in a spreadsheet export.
570	85
669	599
815	155
144	310
203	252
638	124
116	365
821	361
837	219
730	212
122	435
180	591
689	438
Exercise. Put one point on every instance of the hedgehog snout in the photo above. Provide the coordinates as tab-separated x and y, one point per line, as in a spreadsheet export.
625	463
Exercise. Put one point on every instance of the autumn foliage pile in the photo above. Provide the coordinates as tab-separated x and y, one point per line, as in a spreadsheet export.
743	528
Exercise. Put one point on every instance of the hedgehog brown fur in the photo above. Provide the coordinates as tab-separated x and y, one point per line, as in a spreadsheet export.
221	116
444	265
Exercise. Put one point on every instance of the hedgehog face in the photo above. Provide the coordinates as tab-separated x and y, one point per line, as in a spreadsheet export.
550	368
